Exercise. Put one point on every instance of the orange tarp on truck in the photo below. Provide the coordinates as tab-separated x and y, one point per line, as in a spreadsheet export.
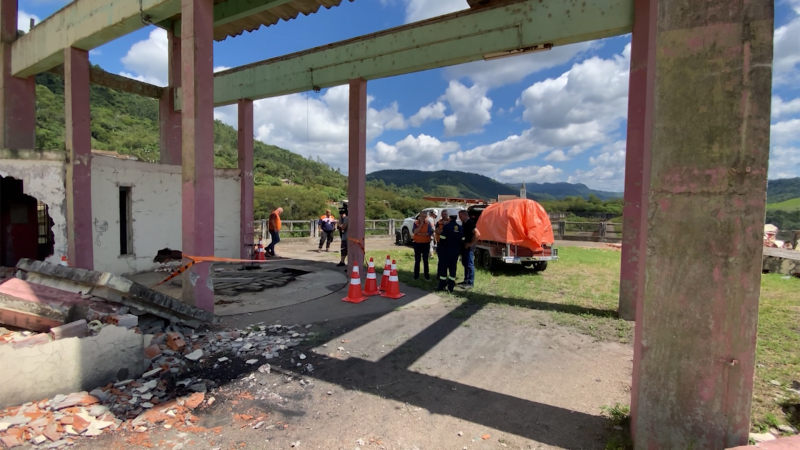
516	222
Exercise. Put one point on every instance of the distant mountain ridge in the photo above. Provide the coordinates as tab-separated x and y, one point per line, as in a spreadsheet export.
447	183
784	189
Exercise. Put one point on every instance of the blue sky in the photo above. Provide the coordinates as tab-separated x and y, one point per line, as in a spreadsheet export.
551	116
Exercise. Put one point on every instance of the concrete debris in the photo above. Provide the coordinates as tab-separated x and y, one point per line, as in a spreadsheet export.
126	320
142	402
775	383
787	429
295	444
762	437
76	329
114	289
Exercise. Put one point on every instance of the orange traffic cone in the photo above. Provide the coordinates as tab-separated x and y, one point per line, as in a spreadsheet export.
371	286
387	270
393	290
354	294
260	251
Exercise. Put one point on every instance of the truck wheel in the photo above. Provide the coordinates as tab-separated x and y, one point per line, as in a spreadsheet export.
406	237
540	266
486	260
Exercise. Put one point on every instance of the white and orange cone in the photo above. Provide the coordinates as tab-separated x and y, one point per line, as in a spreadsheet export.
354	294
371	286
393	289
387	270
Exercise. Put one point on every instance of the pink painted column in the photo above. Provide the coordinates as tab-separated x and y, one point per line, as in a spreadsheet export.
171	133
695	341
246	166
637	159
17	95
357	171
78	141
197	77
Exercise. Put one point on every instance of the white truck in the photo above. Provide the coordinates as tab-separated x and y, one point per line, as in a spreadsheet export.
402	235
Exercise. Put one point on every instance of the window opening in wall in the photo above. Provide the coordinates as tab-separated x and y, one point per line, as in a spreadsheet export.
125	222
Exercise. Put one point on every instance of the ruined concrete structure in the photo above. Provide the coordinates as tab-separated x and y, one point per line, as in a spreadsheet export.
698	145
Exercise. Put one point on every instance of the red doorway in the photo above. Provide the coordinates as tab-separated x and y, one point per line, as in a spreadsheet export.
25	224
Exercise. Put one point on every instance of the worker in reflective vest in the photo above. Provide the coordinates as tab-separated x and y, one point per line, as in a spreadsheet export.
422	244
448	249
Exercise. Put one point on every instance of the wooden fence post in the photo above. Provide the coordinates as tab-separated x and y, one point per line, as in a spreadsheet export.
602	229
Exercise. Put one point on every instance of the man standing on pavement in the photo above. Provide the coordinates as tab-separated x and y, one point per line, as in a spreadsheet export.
327	224
423	231
449	246
468	243
343	236
274	230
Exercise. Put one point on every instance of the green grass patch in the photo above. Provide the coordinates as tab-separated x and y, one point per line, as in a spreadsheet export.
581	291
793	204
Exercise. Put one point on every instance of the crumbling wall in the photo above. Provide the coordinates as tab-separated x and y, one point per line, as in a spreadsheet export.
69	365
155	211
42	175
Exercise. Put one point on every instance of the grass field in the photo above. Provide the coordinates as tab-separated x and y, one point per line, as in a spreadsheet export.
581	291
792	204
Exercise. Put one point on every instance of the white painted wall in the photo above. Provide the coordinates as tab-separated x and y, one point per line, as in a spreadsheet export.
44	180
156	212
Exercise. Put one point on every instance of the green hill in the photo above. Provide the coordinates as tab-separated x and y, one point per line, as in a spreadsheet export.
783	189
129	124
787	205
445	183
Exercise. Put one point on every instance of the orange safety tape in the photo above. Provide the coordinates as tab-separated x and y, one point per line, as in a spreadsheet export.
360	243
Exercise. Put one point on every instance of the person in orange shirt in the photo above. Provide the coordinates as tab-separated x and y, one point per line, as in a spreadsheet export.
423	232
274	230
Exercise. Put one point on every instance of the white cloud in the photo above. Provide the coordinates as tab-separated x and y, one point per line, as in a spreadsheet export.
781	108
582	106
470	109
786	51
24	20
430	112
608	169
784	162
785	132
509	70
147	60
417	10
313	125
422	152
546	174
556	156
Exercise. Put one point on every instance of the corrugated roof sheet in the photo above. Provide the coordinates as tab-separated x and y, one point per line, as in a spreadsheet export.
287	11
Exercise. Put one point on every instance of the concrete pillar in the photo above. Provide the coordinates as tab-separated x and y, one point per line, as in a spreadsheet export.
170	119
357	171
197	78
78	141
17	95
637	160
694	345
246	166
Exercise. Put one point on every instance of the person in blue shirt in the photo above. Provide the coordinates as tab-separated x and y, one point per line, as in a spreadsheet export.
448	249
327	224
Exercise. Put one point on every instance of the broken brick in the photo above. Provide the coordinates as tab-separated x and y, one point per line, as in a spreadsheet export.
194	400
76	329
10	441
80	424
175	342
152	351
51	432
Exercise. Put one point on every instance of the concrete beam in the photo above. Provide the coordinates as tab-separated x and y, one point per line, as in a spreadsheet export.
229	11
84	25
438	42
169	119
695	340
117	82
357	172
197	76
246	136
637	159
80	241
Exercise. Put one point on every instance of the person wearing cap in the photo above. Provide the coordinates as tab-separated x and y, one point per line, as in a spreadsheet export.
422	236
450	236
